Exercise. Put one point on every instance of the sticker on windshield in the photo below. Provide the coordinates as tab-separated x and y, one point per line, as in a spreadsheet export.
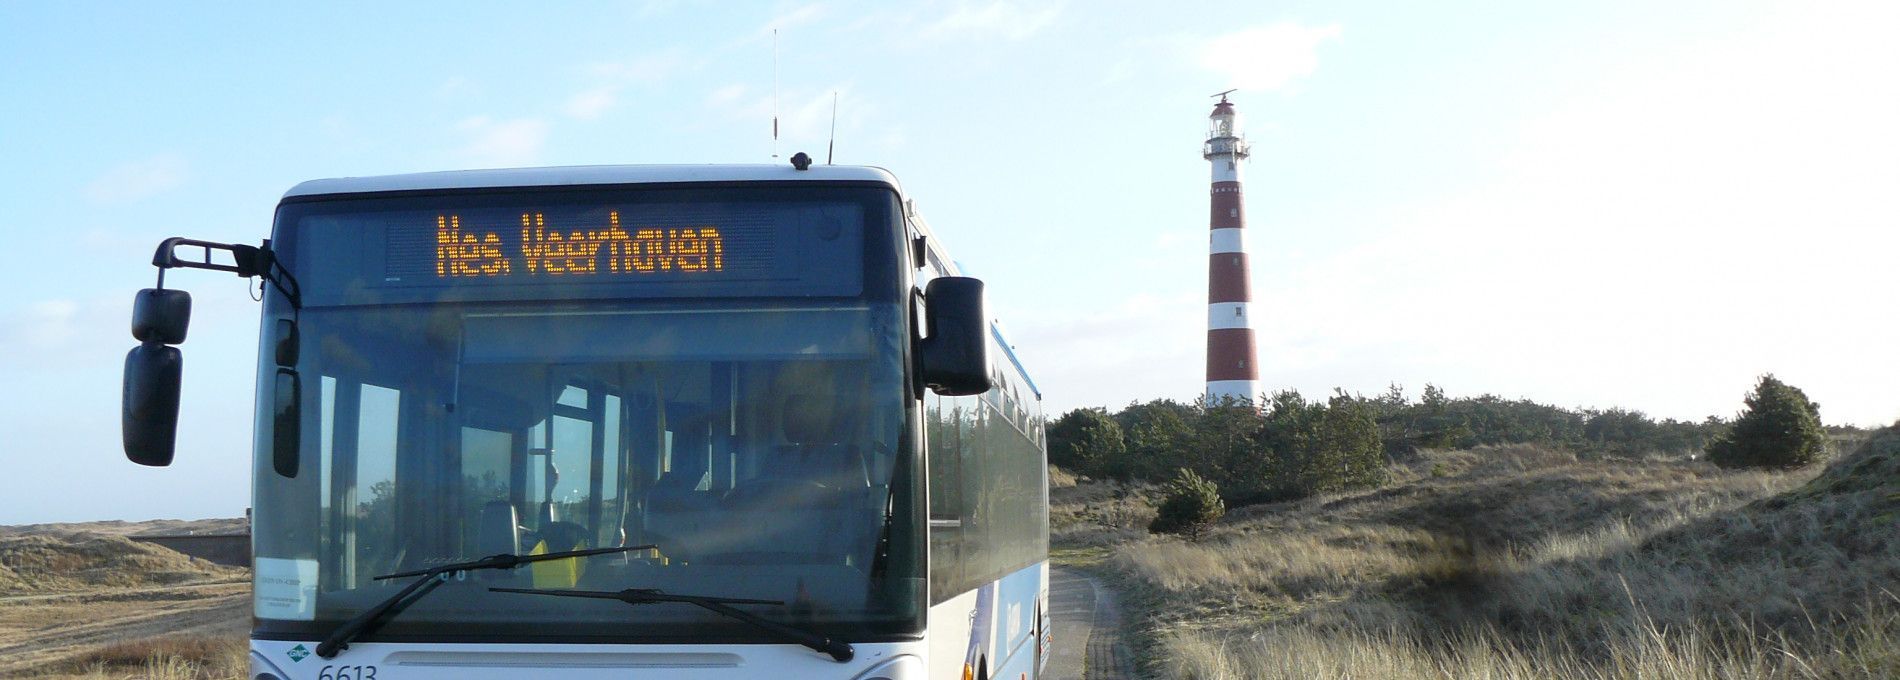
286	589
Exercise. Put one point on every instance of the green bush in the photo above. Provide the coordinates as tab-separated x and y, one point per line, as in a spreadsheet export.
1158	434
1287	446
1086	441
1349	446
1191	507
1779	429
1319	448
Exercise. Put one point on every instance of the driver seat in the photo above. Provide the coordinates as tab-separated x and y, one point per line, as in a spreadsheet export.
802	498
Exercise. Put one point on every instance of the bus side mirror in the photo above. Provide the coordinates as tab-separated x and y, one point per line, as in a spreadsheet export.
148	410
955	352
161	315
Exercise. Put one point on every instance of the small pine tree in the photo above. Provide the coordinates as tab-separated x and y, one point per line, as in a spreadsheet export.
1191	507
1349	444
1779	429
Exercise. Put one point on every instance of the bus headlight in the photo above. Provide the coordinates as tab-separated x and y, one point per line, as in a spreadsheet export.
900	668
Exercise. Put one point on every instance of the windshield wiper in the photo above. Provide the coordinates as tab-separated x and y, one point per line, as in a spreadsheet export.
840	651
367	621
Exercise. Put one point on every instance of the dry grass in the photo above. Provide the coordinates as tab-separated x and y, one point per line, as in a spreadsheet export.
1060	478
1517	562
1099	514
153	527
1863	650
68	561
162	658
87	605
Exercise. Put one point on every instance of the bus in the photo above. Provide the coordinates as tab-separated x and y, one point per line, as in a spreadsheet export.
622	421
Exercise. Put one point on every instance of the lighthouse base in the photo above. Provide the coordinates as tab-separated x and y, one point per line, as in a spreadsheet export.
1236	390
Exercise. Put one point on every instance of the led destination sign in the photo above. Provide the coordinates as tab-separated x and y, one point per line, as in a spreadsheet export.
575	245
545	250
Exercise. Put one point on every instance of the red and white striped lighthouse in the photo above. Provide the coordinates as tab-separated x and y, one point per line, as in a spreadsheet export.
1232	372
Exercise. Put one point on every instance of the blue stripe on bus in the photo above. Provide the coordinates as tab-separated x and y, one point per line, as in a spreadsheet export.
1017	595
998	334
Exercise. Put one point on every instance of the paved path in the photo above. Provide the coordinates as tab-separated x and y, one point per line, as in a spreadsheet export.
1087	630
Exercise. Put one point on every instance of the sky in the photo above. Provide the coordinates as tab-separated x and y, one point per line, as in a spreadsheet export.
1622	203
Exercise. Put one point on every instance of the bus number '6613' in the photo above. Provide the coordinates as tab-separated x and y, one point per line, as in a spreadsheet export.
347	673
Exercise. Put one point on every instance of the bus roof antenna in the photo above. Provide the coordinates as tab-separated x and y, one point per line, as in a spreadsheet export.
831	144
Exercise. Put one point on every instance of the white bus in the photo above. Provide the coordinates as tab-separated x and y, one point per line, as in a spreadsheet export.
623	422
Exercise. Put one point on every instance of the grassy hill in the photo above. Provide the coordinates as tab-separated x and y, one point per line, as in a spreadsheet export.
1523	562
155	527
85	601
54	561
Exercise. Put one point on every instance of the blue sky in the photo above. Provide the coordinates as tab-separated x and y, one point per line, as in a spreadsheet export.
1590	205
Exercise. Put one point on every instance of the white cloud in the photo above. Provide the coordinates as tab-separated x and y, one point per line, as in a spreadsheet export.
809	118
336	127
69	358
998	18
891	139
56	334
140	179
1109	354
792	18
726	96
589	104
457	87
805	115
1267	57
1675	229
611	78
49	323
502	143
643	69
653	8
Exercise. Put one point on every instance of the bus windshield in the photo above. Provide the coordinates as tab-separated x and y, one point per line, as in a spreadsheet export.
755	441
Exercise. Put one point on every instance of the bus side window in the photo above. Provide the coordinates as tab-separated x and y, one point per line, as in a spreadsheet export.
946	495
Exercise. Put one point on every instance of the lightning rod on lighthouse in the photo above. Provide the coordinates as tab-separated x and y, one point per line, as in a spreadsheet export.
1232	372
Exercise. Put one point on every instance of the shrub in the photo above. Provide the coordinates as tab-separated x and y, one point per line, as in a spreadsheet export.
1320	448
1349	446
1191	507
1157	432
1779	429
1221	446
1086	440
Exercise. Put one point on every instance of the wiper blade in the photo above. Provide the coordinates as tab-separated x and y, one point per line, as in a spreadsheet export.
367	621
839	650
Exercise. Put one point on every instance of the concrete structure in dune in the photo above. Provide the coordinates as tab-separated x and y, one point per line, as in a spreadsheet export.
1232	370
232	549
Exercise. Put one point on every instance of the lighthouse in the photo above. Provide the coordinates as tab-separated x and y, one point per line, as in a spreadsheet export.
1232	372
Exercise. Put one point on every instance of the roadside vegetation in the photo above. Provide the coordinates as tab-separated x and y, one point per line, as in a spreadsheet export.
87	604
1605	545
62	561
181	657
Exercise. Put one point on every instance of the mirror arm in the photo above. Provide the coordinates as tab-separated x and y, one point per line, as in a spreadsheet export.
280	277
247	261
244	258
